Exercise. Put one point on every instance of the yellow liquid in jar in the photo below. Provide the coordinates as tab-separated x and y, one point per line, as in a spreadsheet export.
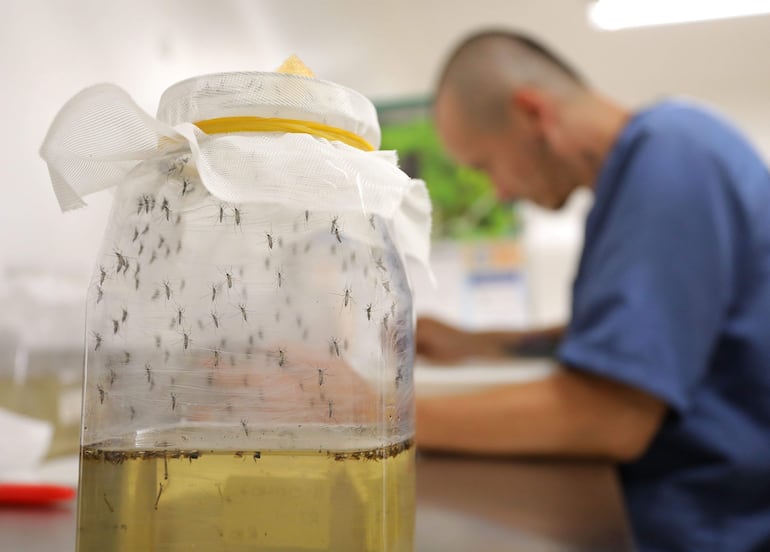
237	501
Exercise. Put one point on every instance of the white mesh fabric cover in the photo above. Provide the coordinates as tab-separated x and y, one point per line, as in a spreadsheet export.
101	135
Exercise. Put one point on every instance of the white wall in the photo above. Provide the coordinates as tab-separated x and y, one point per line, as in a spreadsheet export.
49	50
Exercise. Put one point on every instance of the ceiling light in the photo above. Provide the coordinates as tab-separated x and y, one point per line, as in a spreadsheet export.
611	15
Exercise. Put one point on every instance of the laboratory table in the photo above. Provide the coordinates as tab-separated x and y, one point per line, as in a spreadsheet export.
464	505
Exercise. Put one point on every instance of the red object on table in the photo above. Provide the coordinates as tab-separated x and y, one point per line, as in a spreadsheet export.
34	494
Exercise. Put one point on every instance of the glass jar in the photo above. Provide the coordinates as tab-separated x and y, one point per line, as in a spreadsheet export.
248	383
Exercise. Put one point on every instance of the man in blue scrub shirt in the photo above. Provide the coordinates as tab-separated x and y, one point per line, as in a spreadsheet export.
667	353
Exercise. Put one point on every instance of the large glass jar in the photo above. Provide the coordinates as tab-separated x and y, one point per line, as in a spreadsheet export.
248	383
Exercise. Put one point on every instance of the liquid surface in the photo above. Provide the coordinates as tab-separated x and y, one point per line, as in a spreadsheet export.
234	501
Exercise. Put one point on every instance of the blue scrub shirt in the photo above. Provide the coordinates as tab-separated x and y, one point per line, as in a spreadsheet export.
672	296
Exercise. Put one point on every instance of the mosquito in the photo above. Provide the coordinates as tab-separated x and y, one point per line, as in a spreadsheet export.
136	234
215	318
165	208
98	338
121	260
399	377
115	326
167	288
369	311
99	294
242	308
334	346
101	393
245	427
124	316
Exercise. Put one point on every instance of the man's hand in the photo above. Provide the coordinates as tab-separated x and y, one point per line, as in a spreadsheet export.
443	343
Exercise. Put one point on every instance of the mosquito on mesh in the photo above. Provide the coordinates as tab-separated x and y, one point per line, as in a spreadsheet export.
166	210
186	186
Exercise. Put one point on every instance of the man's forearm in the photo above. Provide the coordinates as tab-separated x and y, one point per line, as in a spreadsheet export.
568	414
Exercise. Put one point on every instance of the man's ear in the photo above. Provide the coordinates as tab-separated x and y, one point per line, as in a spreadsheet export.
534	108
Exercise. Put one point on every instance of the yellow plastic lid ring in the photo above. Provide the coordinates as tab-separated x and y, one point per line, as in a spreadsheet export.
273	124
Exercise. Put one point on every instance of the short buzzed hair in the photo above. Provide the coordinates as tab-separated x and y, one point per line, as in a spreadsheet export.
486	66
